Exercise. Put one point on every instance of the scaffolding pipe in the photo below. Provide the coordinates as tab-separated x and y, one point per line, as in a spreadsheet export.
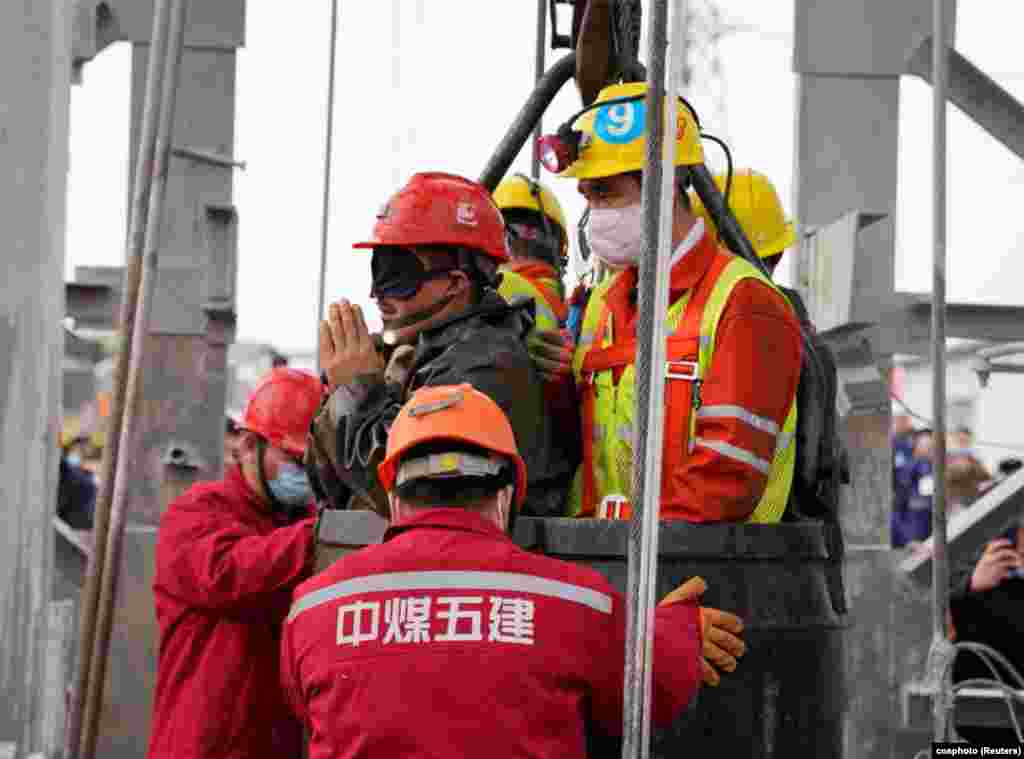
325	214
521	128
657	202
93	706
940	562
538	72
142	182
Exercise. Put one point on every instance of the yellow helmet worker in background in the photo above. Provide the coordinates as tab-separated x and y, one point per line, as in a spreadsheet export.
539	245
520	193
758	210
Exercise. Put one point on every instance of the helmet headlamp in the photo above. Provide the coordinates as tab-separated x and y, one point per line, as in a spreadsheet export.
561	150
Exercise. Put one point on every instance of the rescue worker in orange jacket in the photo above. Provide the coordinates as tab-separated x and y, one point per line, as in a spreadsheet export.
449	640
734	343
538	244
228	555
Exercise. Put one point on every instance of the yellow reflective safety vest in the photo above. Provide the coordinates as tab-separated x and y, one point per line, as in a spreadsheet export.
604	365
539	282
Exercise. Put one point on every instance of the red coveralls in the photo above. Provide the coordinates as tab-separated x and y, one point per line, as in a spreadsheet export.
224	575
449	640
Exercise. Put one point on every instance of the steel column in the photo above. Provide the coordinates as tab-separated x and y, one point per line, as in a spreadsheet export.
848	55
35	77
940	563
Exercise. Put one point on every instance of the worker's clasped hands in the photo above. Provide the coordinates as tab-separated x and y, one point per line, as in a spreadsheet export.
347	350
719	629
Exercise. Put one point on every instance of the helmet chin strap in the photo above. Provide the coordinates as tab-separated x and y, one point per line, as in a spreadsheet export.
508	495
419	316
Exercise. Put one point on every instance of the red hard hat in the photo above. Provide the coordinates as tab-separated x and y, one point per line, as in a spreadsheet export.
282	407
435	208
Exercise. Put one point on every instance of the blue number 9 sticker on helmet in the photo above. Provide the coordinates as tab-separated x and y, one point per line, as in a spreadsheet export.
620	123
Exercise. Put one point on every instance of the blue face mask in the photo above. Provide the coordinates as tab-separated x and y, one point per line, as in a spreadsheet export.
291	486
74	459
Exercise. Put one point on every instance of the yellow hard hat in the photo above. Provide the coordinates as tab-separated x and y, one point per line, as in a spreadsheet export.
99	437
71	430
520	192
613	134
757	208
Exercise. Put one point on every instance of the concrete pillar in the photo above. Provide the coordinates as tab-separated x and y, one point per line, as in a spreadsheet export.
185	370
849	56
35	79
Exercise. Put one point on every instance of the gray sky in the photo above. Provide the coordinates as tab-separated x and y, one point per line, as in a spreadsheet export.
458	92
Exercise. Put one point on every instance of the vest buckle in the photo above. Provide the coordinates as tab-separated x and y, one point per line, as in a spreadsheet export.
683	370
615	507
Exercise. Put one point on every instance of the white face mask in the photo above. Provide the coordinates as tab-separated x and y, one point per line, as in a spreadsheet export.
614	235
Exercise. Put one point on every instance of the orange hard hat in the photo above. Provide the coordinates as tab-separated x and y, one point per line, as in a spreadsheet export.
435	208
282	407
458	413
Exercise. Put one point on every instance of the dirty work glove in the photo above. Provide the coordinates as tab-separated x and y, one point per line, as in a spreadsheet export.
551	352
400	365
719	632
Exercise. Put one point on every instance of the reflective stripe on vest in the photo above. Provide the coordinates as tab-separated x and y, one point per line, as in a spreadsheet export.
608	407
546	302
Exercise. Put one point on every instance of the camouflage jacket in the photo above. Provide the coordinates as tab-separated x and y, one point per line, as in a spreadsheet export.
484	346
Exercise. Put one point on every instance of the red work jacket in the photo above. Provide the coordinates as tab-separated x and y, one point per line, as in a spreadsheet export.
449	640
224	575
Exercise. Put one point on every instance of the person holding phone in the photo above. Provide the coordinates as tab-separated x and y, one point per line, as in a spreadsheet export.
987	606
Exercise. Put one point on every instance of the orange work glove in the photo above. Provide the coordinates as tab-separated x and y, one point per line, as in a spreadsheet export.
719	632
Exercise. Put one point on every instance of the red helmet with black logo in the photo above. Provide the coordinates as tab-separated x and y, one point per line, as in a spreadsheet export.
435	208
